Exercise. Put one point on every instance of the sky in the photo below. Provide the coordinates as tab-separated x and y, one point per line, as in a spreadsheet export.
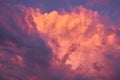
104	7
59	40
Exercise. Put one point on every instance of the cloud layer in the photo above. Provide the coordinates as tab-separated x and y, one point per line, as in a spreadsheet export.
74	45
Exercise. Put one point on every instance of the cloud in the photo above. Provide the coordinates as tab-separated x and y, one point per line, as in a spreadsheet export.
74	45
79	38
21	48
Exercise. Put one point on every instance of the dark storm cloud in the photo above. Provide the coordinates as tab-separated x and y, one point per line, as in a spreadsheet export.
16	41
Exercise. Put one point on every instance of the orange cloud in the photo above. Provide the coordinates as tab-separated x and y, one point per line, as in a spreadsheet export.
79	39
81	46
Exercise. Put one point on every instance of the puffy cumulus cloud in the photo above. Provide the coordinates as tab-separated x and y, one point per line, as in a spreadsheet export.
63	45
79	39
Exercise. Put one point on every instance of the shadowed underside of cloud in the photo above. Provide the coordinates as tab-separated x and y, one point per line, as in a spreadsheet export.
21	48
72	45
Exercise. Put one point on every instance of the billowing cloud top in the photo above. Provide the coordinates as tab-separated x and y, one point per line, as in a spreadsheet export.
59	45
